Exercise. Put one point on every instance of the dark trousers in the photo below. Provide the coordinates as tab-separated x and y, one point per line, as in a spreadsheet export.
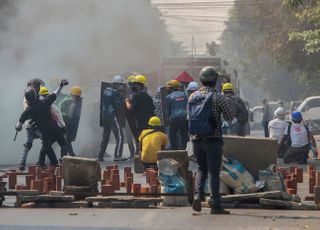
111	124
178	127
69	144
136	137
209	157
266	128
46	148
297	154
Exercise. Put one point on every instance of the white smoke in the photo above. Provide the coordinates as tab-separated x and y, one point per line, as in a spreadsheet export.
82	40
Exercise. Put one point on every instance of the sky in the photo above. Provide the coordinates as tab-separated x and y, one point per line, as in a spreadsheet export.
201	19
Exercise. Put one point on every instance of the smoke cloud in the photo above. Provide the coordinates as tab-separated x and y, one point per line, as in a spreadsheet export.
84	41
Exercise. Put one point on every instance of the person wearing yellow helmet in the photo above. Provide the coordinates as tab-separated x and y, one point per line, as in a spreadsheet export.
70	107
140	106
152	140
238	109
176	108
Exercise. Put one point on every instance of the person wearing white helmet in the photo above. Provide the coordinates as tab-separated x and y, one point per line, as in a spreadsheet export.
278	125
192	87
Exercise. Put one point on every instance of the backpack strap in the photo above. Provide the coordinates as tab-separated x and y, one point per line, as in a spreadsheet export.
308	132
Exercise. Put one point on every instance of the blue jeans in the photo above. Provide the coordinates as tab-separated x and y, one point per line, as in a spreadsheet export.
31	135
208	153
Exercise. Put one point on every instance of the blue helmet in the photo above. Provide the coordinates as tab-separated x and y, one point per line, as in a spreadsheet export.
296	116
193	86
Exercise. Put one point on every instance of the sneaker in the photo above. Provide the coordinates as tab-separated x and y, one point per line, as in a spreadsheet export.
219	211
196	206
22	168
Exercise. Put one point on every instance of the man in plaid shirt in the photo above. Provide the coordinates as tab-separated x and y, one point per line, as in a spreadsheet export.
208	149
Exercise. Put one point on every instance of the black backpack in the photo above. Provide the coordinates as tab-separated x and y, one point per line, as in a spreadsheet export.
243	114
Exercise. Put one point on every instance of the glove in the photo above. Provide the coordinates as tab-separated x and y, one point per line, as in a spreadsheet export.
63	82
19	126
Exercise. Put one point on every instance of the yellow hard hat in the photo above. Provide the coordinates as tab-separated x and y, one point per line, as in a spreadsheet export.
227	86
154	121
131	78
140	79
173	84
43	91
76	91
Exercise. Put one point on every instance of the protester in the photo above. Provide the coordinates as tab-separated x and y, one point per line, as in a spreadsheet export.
141	105
299	139
157	103
192	87
278	125
176	103
151	141
70	108
266	117
238	109
39	112
111	102
31	128
205	107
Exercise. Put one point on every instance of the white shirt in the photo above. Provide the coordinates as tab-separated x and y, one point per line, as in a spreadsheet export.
277	128
298	134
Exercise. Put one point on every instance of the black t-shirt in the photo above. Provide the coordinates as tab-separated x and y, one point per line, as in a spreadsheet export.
40	113
143	109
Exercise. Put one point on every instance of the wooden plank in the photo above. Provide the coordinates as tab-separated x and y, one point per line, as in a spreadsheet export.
252	196
75	204
46	198
287	204
235	206
117	204
127	199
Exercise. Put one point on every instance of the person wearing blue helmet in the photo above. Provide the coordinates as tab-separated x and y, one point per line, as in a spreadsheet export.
299	139
192	87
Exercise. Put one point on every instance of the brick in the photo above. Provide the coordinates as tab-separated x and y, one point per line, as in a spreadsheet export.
109	167
115	166
106	174
129	174
116	181
28	205
38	173
311	167
61	170
154	189
312	182
20	187
299	172
58	183
122	184
37	185
293	169
32	170
47	184
28	180
107	190
45	173
145	189
114	172
129	182
289	184
136	188
12	180
152	177
309	198
291	191
127	169
317	195
312	173
289	176
318	179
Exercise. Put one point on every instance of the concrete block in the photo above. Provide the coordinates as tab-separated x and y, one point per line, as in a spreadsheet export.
37	185
253	153
46	198
79	171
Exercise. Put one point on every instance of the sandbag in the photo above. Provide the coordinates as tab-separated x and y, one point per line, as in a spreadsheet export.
273	180
236	176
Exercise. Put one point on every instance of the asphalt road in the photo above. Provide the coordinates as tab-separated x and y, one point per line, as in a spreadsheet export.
163	218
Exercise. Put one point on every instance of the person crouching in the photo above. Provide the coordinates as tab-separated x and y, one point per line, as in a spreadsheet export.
151	141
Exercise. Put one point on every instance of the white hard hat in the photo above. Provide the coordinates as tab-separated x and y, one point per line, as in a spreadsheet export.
193	86
280	112
117	79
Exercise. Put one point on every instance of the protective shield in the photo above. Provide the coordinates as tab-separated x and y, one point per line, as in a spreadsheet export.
164	92
121	87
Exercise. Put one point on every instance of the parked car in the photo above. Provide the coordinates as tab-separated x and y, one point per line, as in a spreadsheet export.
310	109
